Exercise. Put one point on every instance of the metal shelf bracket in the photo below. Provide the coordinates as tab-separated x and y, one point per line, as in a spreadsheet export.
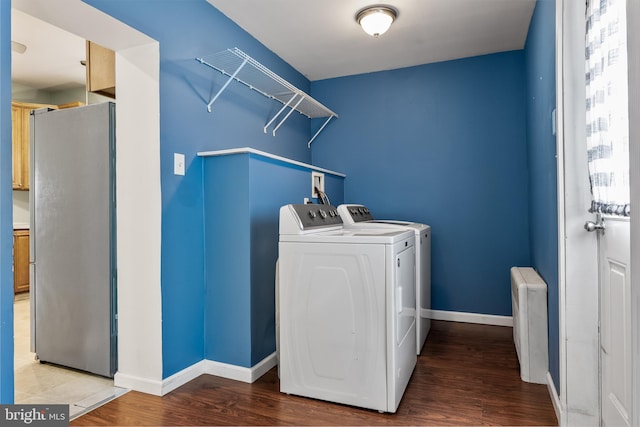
279	112
288	114
319	130
233	76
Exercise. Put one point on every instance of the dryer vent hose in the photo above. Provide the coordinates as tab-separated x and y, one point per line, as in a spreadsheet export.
322	196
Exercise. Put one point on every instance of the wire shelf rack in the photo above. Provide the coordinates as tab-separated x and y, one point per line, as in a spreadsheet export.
239	66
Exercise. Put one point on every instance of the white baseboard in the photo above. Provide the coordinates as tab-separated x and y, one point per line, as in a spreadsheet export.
143	385
457	316
555	399
264	366
182	377
240	373
210	367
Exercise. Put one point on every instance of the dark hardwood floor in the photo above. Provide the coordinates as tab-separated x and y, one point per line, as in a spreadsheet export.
467	375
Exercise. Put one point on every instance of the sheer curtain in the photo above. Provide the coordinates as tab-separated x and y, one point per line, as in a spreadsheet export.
607	109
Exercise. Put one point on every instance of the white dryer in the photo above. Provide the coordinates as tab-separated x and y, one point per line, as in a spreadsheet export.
359	216
346	309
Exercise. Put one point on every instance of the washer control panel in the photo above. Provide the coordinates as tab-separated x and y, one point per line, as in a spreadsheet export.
312	216
359	213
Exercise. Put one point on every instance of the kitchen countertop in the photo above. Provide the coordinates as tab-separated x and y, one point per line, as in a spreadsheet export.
20	225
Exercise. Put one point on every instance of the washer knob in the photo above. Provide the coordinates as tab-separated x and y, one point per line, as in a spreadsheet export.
323	214
312	214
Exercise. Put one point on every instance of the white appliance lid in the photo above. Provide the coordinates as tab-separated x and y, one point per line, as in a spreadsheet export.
390	222
360	216
377	235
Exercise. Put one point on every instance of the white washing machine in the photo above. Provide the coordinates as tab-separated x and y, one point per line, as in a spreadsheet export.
359	216
346	309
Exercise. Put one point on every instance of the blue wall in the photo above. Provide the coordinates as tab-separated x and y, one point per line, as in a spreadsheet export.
187	29
6	210
243	194
543	205
442	144
226	183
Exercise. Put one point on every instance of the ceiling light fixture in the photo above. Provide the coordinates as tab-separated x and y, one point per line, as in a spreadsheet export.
376	20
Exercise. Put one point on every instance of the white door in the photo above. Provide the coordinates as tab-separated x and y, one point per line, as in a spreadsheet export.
615	322
595	315
607	143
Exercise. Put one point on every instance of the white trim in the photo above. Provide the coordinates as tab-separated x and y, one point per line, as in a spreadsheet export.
555	399
562	265
240	373
457	316
181	378
143	385
578	252
633	43
264	366
248	150
209	367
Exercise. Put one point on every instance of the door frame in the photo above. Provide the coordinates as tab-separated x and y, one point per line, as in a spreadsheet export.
138	213
578	287
633	45
577	250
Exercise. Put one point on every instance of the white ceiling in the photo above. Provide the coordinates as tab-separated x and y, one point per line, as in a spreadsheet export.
321	39
52	59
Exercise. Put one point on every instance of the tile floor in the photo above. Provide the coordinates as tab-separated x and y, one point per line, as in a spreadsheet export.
38	383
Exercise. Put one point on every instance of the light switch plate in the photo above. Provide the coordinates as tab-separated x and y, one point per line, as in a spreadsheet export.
178	164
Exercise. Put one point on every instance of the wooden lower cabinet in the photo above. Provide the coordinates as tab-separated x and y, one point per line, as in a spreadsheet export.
20	261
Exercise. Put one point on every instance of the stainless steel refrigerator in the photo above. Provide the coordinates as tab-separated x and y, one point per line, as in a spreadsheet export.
73	259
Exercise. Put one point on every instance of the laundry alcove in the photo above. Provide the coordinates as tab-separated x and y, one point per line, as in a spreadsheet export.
243	191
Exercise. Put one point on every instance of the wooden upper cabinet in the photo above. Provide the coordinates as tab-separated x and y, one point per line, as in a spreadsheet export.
20	112
101	70
20	142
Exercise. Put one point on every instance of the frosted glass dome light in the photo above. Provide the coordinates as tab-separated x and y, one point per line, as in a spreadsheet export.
376	20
